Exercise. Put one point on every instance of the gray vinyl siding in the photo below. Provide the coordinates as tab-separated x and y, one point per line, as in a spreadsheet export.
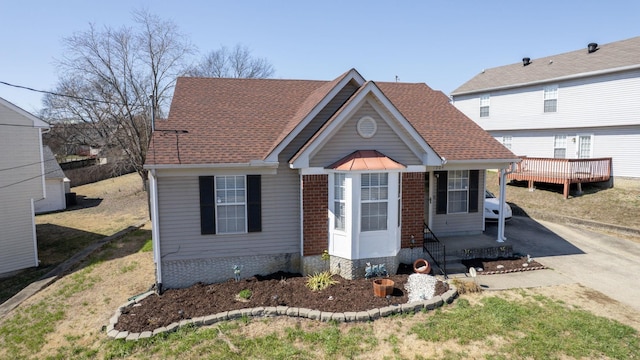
179	212
347	140
19	145
462	224
318	121
621	143
609	100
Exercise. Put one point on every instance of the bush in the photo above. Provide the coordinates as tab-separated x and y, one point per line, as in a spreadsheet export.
245	294
320	281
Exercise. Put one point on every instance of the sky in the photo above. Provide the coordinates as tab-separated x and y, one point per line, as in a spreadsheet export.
440	43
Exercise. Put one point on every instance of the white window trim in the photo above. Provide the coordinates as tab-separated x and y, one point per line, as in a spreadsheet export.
558	145
375	201
507	141
485	101
341	201
591	140
449	191
550	92
218	205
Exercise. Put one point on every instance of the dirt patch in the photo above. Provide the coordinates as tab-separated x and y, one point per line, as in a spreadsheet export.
280	289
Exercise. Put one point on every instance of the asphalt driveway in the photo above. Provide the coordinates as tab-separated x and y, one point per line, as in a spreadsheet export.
604	263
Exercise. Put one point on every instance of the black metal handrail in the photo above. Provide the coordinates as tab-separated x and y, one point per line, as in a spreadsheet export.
432	246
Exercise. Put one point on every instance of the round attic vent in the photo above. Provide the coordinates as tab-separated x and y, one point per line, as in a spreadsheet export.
367	127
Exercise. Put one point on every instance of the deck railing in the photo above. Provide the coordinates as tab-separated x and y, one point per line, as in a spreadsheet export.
432	246
562	171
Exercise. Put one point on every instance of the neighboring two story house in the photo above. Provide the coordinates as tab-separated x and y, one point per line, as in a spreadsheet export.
580	104
266	174
22	182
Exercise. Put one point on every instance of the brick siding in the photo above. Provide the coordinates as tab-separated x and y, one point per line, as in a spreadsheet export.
412	208
315	229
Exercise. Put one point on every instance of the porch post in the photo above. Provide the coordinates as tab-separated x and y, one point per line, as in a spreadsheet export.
501	204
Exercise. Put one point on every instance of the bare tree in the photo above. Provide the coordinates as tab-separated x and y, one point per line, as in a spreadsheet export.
235	63
112	79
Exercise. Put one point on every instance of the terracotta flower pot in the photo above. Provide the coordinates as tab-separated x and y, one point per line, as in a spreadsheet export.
421	266
382	287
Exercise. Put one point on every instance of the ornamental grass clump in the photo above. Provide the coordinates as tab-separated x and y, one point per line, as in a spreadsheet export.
320	281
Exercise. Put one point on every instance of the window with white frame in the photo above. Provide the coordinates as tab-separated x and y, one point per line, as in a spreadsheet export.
507	140
458	189
551	98
560	146
374	193
339	200
230	204
485	101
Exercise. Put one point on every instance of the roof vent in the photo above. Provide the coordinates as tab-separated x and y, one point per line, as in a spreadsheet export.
526	61
592	47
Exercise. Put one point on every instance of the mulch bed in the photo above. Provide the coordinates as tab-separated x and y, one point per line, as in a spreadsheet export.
502	265
279	289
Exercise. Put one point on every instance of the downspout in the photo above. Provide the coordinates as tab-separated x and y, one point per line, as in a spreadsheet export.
301	207
155	230
501	203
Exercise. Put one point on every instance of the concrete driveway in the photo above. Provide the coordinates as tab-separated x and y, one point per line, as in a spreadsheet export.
605	263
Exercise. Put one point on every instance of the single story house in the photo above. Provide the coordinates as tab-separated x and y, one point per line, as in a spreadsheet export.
21	184
57	185
263	175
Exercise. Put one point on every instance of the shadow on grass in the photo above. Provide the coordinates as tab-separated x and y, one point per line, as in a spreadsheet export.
83	202
62	250
587	188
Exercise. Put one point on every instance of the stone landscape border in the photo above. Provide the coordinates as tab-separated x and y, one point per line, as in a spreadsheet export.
271	311
511	270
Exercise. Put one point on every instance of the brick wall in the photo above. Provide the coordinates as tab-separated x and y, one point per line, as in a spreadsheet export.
412	208
315	194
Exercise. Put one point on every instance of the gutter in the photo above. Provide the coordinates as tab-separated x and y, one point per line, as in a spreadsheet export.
252	163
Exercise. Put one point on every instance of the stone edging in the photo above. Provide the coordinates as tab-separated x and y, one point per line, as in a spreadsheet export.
511	270
435	302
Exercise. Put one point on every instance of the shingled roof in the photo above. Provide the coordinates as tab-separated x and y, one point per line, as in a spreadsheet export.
237	121
612	57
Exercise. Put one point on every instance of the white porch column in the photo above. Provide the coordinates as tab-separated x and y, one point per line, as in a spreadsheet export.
501	205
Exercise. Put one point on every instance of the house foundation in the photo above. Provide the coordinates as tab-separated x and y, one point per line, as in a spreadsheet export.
184	273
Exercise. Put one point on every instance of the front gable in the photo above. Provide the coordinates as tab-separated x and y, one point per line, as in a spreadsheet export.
386	130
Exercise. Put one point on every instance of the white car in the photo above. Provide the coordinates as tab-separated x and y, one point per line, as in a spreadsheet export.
492	206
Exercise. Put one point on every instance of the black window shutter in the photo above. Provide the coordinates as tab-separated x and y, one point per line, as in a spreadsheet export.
474	178
207	205
441	192
254	203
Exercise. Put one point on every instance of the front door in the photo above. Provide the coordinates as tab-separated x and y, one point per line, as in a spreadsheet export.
584	146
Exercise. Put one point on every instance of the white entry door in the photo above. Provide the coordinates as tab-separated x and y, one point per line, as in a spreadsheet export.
584	146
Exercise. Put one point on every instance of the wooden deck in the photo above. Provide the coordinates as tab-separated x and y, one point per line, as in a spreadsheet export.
562	171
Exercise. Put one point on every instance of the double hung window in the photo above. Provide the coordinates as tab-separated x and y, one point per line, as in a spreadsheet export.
560	146
339	201
374	192
551	98
484	105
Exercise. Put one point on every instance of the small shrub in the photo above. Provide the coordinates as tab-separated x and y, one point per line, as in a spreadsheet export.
320	281
372	271
245	294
